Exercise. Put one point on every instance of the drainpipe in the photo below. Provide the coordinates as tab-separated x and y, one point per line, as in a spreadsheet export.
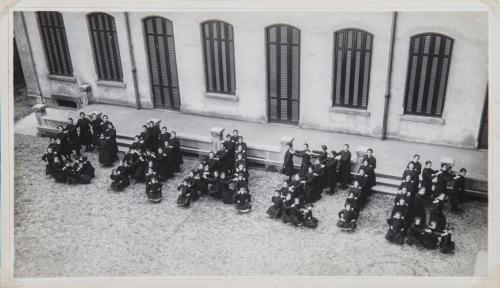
31	56
389	76
132	62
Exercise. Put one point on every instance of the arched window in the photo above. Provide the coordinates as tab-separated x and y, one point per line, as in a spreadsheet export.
428	67
162	63
105	46
283	73
351	67
218	51
55	43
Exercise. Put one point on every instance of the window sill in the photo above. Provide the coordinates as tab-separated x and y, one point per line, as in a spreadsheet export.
62	78
423	119
351	111
220	96
110	84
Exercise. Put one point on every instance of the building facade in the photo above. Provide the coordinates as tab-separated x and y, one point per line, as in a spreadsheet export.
321	70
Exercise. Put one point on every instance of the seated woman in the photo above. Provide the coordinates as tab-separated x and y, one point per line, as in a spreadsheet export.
185	194
286	208
57	171
415	232
347	219
309	220
153	190
72	173
353	201
433	238
296	216
87	171
214	187
397	230
243	199
48	158
119	181
274	211
226	193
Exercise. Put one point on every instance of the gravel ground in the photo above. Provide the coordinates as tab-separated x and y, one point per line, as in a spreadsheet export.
87	230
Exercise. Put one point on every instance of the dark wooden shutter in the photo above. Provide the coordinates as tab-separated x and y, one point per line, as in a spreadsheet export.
351	68
105	46
218	52
162	63
283	73
428	68
55	43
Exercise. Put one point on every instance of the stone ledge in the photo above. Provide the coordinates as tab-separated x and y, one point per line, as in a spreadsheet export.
116	84
62	78
221	96
351	111
422	119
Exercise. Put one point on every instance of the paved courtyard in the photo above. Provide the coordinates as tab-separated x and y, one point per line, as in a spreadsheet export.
88	230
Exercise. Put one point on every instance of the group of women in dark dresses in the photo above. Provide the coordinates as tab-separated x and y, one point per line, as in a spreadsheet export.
409	222
222	175
153	157
359	193
293	201
64	160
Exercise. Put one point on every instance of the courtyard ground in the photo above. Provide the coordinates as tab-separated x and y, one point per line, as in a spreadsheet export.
88	230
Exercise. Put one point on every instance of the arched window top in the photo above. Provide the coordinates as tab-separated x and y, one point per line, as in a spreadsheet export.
91	14
282	24
101	21
279	33
432	33
347	29
156	24
215	21
152	17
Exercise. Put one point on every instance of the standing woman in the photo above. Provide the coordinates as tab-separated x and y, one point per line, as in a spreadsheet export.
176	151
104	152
64	146
306	159
73	139
95	123
288	168
110	135
372	163
85	135
345	166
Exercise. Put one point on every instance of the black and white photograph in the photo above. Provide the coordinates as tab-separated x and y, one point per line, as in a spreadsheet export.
250	142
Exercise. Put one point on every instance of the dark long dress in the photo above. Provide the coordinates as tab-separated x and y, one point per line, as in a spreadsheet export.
96	131
65	147
85	134
119	182
49	158
345	167
274	211
309	220
153	191
306	161
396	232
427	176
105	152
227	194
288	169
243	202
176	153
87	173
73	139
163	166
110	135
332	174
184	198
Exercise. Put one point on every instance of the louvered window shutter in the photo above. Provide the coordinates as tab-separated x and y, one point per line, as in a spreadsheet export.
218	51
162	62
428	68
351	68
55	43
105	46
283	72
